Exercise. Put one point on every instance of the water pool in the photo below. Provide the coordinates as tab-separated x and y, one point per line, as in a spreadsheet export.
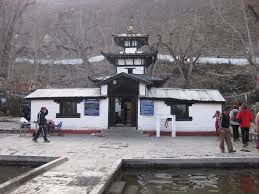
9	172
192	181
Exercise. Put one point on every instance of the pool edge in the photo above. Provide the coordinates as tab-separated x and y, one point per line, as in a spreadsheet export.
14	183
210	162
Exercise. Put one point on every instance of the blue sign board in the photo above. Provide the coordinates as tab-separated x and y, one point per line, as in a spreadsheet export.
147	107
92	107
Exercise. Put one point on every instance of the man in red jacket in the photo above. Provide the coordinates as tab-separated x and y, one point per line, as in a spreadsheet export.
245	117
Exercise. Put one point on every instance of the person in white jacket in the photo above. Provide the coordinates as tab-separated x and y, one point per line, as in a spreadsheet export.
234	123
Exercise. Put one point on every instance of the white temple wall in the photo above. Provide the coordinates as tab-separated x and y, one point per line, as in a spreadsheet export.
142	89
121	62
122	70
148	123
136	70
201	114
129	61
131	50
137	61
83	123
104	90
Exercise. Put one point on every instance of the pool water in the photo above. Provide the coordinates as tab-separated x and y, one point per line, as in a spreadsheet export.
9	172
193	181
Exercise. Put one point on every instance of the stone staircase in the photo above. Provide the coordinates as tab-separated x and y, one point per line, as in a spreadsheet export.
122	132
121	187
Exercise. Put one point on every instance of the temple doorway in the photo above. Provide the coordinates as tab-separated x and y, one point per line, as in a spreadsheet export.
123	95
123	111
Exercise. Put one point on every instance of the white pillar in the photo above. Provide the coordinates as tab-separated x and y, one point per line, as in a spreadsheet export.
157	126
173	126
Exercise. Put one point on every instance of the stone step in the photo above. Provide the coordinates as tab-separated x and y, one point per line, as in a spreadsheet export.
117	187
131	189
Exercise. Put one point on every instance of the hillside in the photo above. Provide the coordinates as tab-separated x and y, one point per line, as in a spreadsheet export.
150	16
43	37
228	79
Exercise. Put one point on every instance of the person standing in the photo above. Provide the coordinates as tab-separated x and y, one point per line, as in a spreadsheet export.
234	123
238	105
125	114
245	117
216	115
42	122
225	133
26	112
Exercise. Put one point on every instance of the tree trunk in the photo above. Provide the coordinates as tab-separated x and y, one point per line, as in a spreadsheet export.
4	63
187	83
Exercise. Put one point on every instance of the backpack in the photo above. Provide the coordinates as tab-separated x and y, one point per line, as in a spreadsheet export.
38	118
234	117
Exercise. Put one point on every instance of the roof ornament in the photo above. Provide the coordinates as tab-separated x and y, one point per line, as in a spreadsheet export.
131	28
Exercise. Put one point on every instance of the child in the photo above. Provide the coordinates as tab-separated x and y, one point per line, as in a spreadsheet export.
216	115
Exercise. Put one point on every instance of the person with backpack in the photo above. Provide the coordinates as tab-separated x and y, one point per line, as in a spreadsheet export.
225	133
42	122
245	117
234	123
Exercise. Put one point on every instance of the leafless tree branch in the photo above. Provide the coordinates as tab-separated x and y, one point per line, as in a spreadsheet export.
256	15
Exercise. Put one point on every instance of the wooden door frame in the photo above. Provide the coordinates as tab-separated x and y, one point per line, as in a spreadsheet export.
111	114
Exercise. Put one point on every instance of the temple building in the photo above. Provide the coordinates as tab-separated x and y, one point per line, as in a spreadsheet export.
129	98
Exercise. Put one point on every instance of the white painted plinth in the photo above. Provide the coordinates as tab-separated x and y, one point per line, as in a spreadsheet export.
166	124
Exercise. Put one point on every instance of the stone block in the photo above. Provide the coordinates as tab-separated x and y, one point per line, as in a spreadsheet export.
117	187
131	189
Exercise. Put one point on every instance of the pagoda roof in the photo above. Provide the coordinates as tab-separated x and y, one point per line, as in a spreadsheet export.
126	55
127	35
150	57
148	79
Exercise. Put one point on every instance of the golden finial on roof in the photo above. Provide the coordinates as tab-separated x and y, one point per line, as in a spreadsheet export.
131	28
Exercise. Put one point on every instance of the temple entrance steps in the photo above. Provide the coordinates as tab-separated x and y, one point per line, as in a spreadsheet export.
122	132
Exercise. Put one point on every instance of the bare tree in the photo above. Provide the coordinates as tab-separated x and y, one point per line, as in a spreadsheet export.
185	47
241	29
254	12
10	14
42	47
73	37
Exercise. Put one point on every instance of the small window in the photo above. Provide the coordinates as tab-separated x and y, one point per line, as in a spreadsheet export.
127	43
68	109
130	70
142	61
181	112
134	43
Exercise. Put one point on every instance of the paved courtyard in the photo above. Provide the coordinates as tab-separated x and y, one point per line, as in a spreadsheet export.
90	157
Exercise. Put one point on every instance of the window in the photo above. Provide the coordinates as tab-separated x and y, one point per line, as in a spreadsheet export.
134	43
181	112
68	109
128	61
130	70
142	61
127	43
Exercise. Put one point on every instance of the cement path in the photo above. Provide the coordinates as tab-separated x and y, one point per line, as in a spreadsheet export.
90	157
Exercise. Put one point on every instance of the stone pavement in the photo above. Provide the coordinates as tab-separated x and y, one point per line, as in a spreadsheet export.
9	124
90	157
